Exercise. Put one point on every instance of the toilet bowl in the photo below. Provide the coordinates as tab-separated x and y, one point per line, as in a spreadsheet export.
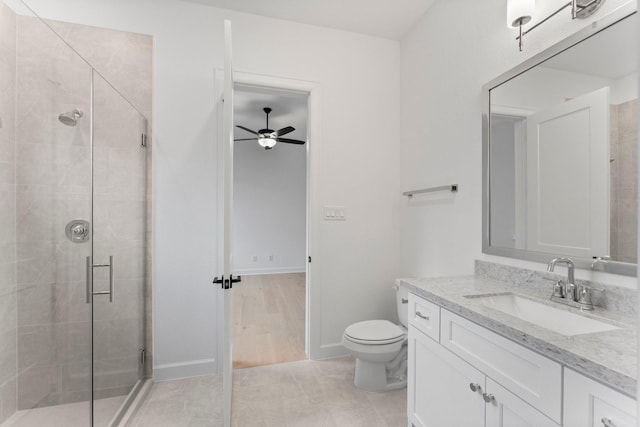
380	349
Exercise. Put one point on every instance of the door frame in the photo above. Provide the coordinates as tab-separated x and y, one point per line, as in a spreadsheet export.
312	309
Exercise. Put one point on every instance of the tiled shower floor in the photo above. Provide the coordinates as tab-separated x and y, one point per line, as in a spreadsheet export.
305	393
69	415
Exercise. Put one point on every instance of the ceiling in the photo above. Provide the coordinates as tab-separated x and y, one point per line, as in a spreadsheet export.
289	109
390	19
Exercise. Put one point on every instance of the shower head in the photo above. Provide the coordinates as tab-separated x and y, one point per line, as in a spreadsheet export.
70	118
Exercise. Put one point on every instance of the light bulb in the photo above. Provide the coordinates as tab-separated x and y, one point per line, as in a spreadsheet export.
267	142
519	12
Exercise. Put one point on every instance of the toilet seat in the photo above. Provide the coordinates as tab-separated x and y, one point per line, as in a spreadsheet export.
374	332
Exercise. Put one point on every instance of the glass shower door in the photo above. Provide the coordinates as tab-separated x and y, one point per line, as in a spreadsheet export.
119	250
45	333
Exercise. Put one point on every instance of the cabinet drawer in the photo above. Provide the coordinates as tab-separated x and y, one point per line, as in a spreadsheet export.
590	404
425	316
529	375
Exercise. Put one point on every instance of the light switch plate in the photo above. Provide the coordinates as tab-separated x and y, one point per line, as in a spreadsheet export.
334	213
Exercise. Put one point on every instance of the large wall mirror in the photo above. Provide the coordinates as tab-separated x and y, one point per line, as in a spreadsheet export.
560	137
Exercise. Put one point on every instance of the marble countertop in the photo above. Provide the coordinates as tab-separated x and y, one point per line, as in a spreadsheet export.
608	357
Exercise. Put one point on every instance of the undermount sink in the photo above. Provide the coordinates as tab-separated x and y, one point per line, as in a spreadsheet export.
545	316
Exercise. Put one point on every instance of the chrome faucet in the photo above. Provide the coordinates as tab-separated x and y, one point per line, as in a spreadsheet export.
568	293
569	287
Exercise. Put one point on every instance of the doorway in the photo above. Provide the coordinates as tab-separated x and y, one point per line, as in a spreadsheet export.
270	228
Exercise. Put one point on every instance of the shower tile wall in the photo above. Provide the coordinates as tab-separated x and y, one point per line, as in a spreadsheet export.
624	181
8	290
126	60
54	186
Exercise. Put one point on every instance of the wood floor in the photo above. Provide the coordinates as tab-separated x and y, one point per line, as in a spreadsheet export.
268	319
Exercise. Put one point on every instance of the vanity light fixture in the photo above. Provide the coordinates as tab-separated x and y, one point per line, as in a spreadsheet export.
519	13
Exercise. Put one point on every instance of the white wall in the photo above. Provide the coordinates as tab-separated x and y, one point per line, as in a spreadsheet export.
545	87
456	48
269	208
355	261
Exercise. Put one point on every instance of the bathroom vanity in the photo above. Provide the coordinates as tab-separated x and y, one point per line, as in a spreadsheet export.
492	349
472	363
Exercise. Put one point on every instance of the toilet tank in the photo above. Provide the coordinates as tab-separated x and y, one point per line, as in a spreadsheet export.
402	303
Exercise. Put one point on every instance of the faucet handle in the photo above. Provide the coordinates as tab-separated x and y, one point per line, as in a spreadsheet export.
599	262
584	296
558	289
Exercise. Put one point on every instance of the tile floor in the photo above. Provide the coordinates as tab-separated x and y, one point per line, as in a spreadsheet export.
305	393
68	415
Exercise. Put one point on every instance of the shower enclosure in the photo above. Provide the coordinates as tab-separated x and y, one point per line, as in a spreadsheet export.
73	234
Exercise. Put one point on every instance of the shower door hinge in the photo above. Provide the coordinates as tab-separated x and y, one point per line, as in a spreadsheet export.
143	356
143	140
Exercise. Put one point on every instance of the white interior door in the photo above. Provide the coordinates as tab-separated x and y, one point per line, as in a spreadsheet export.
227	125
568	177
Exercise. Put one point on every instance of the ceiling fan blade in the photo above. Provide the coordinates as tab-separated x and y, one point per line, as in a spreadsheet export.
246	139
291	141
247	129
285	130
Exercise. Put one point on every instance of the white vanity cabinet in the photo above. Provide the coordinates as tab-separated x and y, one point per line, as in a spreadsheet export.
444	391
588	403
439	392
505	409
458	377
464	375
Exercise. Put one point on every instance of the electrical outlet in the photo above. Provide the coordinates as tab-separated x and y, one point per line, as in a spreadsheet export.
254	258
270	258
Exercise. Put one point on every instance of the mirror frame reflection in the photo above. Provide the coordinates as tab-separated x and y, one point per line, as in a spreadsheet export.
616	267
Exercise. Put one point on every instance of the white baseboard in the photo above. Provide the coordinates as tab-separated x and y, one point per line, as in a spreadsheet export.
176	371
271	270
329	351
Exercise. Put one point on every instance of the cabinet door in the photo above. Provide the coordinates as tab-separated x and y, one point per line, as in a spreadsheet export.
591	404
505	409
439	392
534	378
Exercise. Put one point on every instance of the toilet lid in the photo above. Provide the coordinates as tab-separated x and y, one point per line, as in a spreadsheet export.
374	332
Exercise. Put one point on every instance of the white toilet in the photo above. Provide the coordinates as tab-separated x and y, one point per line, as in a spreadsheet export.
380	348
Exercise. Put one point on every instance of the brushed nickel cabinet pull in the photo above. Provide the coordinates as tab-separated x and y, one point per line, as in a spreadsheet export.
489	398
422	316
606	422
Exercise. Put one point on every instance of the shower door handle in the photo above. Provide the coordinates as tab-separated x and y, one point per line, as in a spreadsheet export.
89	280
90	291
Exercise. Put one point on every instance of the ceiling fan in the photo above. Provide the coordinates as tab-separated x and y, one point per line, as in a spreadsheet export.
268	138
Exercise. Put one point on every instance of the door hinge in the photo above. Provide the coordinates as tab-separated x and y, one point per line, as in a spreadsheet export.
309	260
143	356
143	140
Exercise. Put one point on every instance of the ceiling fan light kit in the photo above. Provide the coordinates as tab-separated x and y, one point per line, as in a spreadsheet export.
267	143
268	138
